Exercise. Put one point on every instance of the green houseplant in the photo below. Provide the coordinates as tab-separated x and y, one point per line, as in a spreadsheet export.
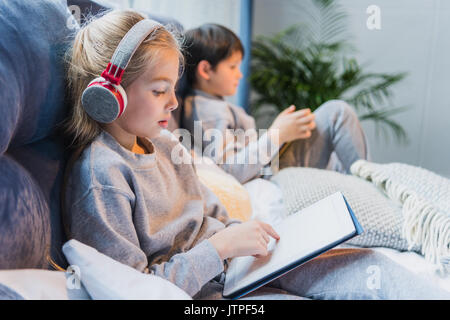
308	64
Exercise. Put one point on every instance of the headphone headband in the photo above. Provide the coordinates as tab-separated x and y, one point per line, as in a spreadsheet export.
126	48
104	99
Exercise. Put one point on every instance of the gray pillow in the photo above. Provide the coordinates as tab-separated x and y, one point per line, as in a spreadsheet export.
380	217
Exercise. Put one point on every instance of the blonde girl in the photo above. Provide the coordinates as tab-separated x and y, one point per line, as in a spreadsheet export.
124	195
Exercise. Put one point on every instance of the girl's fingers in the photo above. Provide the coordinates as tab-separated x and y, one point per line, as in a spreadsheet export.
271	231
260	248
265	237
263	251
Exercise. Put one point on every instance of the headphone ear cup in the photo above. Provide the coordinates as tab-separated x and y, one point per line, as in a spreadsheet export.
103	101
123	95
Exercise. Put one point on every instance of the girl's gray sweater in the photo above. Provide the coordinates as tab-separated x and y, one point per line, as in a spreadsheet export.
146	211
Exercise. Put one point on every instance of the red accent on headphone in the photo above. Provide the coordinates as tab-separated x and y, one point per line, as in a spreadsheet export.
114	75
114	91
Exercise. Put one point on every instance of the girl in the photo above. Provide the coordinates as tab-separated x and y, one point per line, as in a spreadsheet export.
126	197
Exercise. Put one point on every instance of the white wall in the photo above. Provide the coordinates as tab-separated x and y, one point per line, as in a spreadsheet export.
414	37
192	13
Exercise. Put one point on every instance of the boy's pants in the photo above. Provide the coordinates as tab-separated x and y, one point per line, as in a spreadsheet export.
336	143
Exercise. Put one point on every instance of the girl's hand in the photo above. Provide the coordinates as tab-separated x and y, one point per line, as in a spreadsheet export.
293	125
247	239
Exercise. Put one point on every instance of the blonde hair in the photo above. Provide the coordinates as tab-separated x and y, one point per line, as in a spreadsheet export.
92	49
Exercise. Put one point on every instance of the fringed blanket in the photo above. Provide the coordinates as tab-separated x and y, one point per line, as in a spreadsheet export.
425	200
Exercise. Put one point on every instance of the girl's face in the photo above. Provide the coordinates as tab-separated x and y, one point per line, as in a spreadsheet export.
224	79
151	98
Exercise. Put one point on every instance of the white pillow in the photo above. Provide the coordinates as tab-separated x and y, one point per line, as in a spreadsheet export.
107	279
267	201
35	284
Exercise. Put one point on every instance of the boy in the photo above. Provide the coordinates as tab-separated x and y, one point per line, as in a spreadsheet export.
213	56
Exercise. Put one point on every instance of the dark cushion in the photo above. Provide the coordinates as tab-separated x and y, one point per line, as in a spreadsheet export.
34	38
24	218
45	161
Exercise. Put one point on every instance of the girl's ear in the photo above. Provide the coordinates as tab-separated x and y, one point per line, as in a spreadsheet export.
204	70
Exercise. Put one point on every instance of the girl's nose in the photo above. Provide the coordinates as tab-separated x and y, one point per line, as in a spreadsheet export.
173	103
172	107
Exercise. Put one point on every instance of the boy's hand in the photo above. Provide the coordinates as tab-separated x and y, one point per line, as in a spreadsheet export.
247	239
293	125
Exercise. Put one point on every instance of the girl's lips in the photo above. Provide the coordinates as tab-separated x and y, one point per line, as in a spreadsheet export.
163	124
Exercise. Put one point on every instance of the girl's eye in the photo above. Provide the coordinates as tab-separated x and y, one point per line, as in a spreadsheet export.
158	93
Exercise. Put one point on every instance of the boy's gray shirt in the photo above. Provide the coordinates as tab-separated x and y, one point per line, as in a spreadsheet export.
203	112
145	210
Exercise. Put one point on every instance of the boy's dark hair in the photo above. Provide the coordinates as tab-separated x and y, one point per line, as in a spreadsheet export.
210	42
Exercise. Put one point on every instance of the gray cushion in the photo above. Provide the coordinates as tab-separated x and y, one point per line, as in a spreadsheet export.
380	217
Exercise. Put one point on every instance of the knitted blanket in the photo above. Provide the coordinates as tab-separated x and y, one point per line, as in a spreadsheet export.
425	200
